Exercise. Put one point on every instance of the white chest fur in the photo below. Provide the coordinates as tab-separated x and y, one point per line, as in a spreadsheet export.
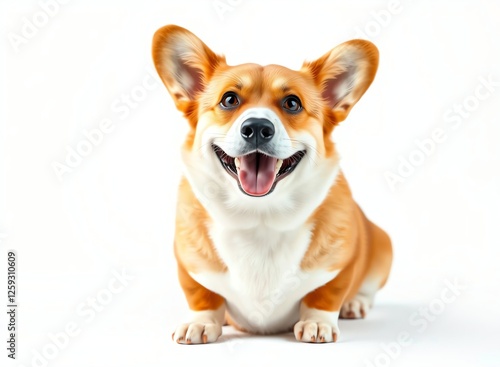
264	282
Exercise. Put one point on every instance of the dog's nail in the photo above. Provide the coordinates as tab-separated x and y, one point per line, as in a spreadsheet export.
334	336
300	335
313	338
204	339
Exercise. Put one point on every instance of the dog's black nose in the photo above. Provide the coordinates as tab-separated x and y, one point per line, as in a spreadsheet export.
257	131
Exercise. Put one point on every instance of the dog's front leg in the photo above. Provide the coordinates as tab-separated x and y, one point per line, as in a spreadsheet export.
319	310
208	310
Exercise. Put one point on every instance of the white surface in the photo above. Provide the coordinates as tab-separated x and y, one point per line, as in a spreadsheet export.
116	209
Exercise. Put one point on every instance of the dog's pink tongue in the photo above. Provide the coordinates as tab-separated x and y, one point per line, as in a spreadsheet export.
256	173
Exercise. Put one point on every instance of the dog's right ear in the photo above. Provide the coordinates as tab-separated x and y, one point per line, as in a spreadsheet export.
344	74
184	63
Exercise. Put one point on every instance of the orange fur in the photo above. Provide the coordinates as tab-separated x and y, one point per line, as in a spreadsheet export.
342	237
198	297
349	242
193	247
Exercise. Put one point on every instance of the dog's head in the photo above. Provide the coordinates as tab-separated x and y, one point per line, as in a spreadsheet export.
260	132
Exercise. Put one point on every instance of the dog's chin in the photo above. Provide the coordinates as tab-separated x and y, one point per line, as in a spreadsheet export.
257	174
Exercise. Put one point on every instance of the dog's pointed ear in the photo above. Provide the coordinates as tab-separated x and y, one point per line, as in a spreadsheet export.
184	63
344	74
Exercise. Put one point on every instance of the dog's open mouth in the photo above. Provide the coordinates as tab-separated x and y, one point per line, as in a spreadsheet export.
256	173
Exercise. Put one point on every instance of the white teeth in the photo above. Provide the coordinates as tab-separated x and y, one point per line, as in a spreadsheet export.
237	162
278	166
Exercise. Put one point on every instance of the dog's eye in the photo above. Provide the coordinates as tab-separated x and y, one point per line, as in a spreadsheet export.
292	104
229	101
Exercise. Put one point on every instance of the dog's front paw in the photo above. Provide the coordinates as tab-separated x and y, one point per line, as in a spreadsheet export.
311	331
316	326
197	333
356	308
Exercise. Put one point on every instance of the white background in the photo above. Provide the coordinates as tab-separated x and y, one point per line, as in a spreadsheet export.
115	210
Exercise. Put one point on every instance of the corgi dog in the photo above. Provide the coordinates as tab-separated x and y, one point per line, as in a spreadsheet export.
268	237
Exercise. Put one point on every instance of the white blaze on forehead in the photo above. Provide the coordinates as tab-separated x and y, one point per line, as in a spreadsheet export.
260	113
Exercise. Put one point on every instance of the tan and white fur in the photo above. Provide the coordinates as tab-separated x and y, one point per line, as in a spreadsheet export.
268	236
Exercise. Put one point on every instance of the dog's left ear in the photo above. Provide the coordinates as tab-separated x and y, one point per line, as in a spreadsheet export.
344	74
184	63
